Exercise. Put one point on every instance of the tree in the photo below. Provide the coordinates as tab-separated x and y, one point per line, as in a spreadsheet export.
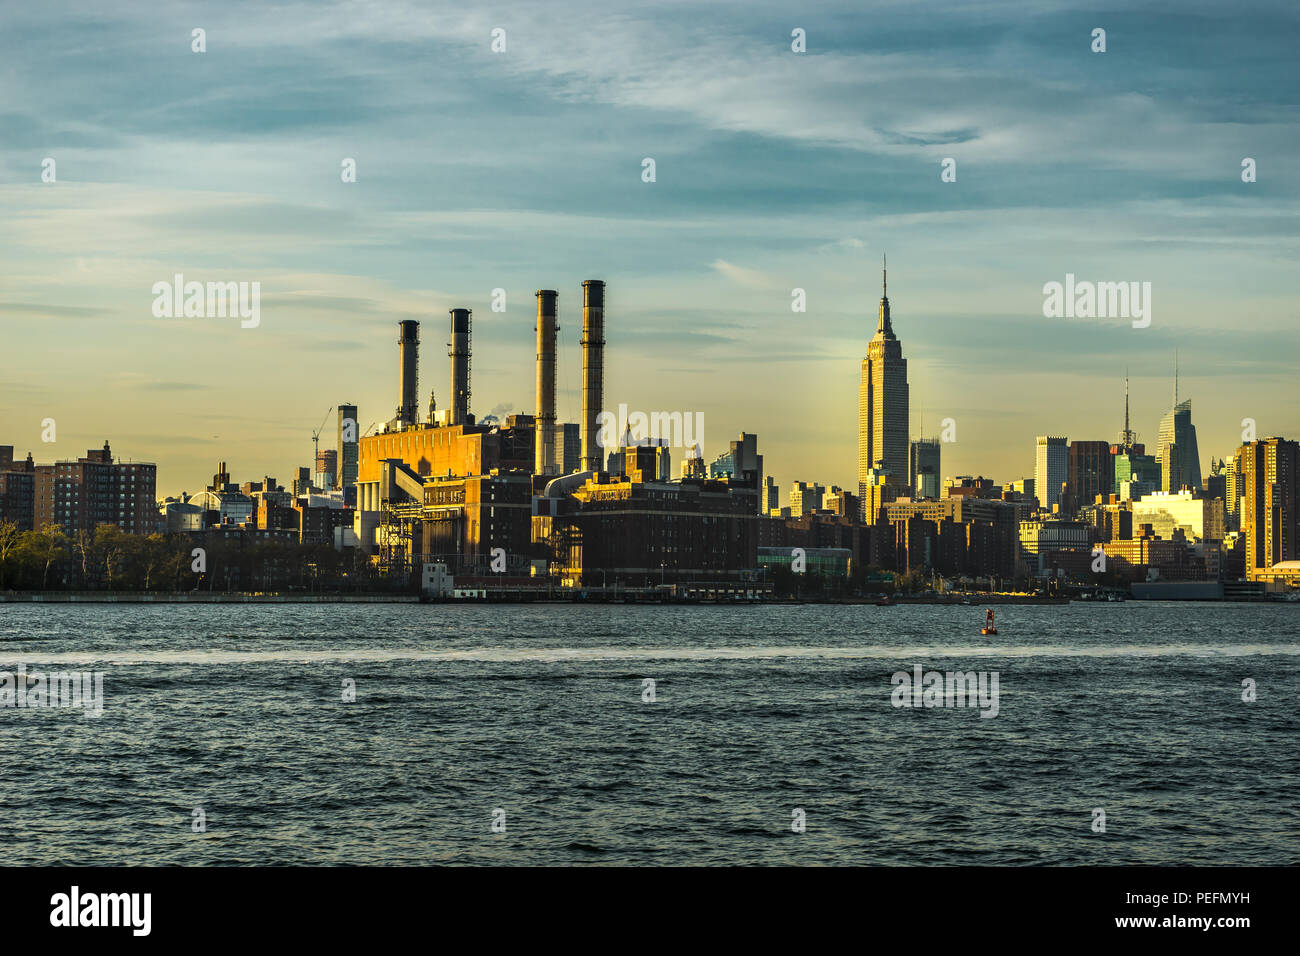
45	547
10	538
113	545
83	545
154	553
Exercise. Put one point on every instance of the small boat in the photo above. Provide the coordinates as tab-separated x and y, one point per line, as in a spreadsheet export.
988	627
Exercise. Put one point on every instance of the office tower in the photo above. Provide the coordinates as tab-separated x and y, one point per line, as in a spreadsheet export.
221	480
347	453
1270	518
1179	457
748	464
880	488
883	402
568	447
1233	490
771	495
805	498
1090	471
924	468
1051	469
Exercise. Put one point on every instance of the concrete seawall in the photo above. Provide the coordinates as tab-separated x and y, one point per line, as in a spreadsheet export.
215	597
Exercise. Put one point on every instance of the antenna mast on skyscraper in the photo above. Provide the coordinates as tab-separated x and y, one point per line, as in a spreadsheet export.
1128	435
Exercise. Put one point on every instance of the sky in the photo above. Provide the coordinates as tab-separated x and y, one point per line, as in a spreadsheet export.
523	169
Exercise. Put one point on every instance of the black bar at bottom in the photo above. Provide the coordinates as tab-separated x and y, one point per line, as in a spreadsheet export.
336	905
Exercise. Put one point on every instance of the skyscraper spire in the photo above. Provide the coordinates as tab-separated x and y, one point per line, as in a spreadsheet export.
1175	378
883	326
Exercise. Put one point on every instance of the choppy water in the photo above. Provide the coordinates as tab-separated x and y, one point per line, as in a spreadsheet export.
1134	708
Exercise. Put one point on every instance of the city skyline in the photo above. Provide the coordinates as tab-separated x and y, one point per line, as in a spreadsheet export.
794	176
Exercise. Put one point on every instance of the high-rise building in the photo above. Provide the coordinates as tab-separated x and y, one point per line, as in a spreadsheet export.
327	468
771	495
805	497
1180	459
17	489
83	494
883	402
1090	471
748	462
693	463
1051	469
1270	478
879	489
842	503
1233	490
923	469
1199	517
348	453
568	446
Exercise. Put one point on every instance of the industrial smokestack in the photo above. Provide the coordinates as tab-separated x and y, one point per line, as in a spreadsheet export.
458	351
544	435
593	371
408	341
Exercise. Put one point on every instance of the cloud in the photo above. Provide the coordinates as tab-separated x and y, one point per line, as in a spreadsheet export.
739	274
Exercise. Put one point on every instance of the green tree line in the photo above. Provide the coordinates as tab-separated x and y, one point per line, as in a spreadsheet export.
50	559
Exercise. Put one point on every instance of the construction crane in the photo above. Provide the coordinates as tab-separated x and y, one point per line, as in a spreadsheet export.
315	443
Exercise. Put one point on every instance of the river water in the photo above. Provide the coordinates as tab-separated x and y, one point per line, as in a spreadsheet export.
517	734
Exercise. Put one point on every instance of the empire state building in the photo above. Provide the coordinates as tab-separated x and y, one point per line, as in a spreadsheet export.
882	403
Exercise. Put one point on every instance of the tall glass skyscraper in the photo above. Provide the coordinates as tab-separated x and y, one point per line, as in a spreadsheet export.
1179	457
882	402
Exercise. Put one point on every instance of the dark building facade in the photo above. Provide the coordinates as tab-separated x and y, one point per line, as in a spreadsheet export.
1090	471
610	531
83	494
17	490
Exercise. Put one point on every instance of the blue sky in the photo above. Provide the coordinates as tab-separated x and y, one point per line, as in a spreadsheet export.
522	170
